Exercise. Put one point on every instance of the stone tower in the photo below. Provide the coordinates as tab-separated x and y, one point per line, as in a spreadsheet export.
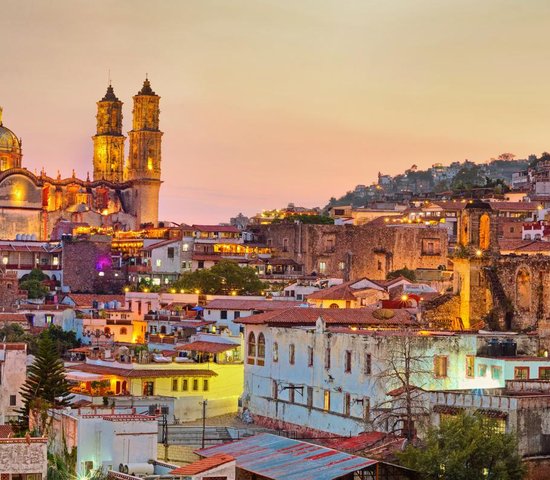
10	148
144	160
476	250
109	141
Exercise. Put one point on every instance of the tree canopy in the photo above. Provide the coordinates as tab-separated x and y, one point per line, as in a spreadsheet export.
402	272
45	386
465	447
34	285
224	278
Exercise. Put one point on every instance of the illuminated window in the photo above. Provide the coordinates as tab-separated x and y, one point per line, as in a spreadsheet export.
341	265
521	373
149	163
322	267
440	366
251	348
275	352
158	262
470	370
544	373
326	401
261	349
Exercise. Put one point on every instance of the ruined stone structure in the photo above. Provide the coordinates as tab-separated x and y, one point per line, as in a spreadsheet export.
493	291
352	252
122	195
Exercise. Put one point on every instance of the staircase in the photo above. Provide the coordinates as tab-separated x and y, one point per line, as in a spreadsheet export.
500	300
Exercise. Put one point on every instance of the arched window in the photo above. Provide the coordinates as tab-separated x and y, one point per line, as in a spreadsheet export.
107	330
163	329
333	305
291	354
251	348
523	290
275	352
123	331
261	349
484	232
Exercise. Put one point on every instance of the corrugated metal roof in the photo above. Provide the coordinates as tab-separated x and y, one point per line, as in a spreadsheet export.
281	458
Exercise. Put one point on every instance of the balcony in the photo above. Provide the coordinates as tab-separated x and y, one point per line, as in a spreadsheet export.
139	269
30	266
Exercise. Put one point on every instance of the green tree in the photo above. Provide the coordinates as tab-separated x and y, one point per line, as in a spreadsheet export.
34	284
223	278
45	386
465	447
402	272
63	340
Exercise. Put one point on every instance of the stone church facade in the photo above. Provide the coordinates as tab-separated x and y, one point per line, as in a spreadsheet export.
493	291
123	193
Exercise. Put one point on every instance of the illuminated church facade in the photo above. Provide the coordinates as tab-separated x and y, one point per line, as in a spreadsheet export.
122	194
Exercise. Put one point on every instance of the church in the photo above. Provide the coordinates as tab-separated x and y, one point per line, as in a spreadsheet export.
123	193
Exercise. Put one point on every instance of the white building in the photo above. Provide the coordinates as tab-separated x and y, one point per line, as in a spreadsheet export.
23	458
339	371
107	438
13	370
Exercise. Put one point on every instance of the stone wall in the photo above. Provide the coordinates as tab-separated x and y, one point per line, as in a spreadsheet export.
23	456
538	468
349	251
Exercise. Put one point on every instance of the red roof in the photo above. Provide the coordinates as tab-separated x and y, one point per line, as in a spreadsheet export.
13	346
160	244
13	318
142	372
243	304
332	316
216	228
6	431
203	465
208	347
345	291
87	299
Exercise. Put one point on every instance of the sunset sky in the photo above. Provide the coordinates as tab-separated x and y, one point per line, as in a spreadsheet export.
266	102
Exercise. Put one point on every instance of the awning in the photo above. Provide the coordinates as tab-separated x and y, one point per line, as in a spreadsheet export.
77	376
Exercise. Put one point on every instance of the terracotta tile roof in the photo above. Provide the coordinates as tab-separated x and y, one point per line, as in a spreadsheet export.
203	465
6	431
206	257
87	299
13	318
514	206
332	316
524	246
13	346
160	244
208	347
243	304
142	372
345	291
216	228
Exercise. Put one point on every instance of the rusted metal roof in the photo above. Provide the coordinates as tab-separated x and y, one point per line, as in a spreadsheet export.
281	458
208	347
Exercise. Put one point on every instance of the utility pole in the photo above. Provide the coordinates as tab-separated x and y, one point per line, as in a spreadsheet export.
204	403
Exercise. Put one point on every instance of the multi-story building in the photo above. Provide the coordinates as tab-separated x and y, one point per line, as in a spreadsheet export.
341	371
24	458
13	368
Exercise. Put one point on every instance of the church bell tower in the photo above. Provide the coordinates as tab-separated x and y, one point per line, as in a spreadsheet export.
109	141
143	167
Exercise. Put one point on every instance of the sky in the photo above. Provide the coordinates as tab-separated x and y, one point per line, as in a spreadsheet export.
266	102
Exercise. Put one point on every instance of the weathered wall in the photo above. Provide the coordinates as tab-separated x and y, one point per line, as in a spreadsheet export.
19	456
355	251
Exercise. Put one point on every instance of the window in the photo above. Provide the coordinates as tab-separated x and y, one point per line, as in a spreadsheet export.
326	401
544	373
175	384
185	247
366	408
347	404
123	331
261	349
291	392
483	370
13	400
251	348
223	314
275	352
148	388
368	364
470	369
200	264
333	305
274	390
185	385
521	373
327	358
496	373
341	265
309	397
347	361
158	263
49	319
285	244
440	366
310	356
205	385
379	265
236	315
291	354
322	267
195	384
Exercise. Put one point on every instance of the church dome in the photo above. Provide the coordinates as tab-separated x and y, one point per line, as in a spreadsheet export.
9	143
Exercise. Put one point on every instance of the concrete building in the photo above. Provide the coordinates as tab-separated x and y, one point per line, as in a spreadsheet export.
13	373
23	458
112	439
